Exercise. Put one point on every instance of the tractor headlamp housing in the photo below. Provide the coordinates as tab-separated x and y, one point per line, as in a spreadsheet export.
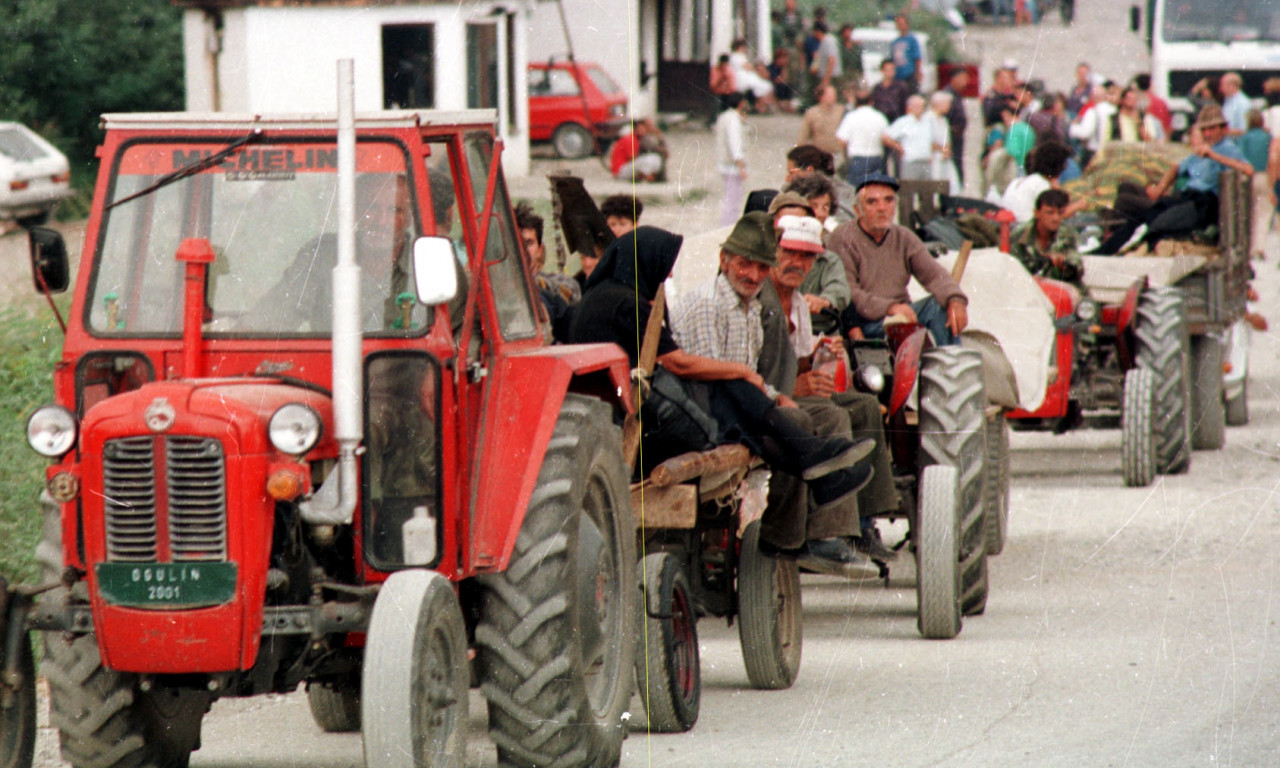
295	429
51	431
1087	310
872	378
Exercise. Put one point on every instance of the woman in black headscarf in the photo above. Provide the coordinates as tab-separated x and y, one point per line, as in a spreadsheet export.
616	307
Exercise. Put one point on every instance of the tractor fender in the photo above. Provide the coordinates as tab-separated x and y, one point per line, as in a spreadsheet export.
1063	296
521	406
906	368
1125	314
997	371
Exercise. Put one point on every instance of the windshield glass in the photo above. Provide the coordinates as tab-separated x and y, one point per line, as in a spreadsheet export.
1222	21
270	211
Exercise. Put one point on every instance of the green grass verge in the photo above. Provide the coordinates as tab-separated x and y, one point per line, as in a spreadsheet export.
29	348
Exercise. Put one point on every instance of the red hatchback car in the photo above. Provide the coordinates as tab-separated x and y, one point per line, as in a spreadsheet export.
577	107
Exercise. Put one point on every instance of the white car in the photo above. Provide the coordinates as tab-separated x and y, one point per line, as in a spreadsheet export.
876	41
34	175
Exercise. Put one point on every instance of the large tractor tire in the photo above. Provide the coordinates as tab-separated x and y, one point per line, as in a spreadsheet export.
414	690
335	708
953	432
557	632
668	674
17	702
769	615
1137	428
1208	419
104	718
937	545
1163	347
996	489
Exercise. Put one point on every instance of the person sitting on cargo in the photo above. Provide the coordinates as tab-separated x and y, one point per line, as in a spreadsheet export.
616	309
1046	245
880	258
1196	206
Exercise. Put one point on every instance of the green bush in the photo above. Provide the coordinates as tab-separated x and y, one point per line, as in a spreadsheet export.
29	349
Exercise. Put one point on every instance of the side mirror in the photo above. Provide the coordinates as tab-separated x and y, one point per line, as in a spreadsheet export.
435	270
1135	18
48	260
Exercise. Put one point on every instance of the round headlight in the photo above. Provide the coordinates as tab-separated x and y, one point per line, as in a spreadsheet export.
1087	310
51	431
294	429
872	378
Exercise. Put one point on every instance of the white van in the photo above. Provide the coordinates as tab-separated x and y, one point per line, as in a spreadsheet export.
875	42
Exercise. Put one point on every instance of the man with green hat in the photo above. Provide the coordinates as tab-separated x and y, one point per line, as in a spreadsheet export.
722	320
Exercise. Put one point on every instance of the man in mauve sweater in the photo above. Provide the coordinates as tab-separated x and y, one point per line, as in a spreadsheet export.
880	258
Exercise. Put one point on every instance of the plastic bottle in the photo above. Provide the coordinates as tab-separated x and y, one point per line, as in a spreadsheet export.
833	364
419	534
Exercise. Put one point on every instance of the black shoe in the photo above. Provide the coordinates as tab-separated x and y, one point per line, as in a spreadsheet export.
835	557
835	454
833	488
782	553
869	544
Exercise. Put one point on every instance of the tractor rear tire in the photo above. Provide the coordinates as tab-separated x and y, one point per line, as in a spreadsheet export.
953	432
1163	347
414	689
18	720
334	708
1137	428
937	545
573	142
556	638
769	614
996	489
104	719
1208	419
668	673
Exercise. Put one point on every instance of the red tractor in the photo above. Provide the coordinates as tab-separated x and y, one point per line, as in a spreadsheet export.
264	476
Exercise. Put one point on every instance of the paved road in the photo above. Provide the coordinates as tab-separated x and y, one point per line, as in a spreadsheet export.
1126	627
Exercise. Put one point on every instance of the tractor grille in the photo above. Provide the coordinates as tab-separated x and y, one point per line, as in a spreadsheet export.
192	502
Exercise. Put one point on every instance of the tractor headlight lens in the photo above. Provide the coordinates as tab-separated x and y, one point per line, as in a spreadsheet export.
872	378
51	431
1087	310
294	429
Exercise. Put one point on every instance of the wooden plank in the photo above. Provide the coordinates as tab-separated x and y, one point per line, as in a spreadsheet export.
673	507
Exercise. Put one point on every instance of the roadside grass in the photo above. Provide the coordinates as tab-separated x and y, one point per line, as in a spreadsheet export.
29	349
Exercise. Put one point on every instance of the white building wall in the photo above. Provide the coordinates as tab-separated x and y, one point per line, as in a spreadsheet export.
284	59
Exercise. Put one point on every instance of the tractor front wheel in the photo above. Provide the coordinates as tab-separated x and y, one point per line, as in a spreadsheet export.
17	699
996	488
557	632
937	544
1164	349
413	698
769	614
1137	428
335	707
668	673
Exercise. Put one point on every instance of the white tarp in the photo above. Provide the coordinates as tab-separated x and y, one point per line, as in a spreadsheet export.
1006	305
1108	277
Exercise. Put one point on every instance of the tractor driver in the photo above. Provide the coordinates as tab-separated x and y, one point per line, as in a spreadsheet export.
1046	245
880	258
302	299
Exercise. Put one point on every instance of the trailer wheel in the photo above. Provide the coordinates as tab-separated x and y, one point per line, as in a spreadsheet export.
996	489
104	719
938	553
413	697
769	614
334	707
572	141
1208	420
1238	407
667	673
1137	429
17	704
556	636
1164	348
953	432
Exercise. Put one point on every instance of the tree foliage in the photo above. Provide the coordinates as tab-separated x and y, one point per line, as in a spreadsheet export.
63	63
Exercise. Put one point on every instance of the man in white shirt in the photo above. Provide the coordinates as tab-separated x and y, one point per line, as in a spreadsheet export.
731	160
862	131
911	138
1235	105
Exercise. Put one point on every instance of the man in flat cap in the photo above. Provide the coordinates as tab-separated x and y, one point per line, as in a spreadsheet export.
880	258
